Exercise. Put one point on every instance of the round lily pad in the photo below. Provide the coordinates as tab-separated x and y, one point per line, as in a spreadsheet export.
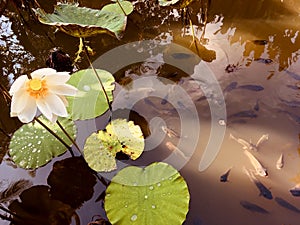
130	136
115	7
83	22
90	100
33	146
100	150
156	194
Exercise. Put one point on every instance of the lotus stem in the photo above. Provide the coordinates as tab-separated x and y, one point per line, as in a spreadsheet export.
3	132
121	8
55	135
193	32
69	137
97	75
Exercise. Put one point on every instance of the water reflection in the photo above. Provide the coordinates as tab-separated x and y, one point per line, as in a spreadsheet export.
253	49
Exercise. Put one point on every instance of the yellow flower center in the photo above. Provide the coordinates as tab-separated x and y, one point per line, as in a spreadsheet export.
37	88
35	84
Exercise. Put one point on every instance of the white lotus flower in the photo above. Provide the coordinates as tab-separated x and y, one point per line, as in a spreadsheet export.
46	91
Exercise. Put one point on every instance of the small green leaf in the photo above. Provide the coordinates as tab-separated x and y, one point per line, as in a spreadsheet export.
33	146
156	195
130	136
100	150
90	100
115	7
82	21
167	2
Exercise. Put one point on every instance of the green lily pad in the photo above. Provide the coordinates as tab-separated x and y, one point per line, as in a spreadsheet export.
32	146
115	7
130	136
156	195
100	150
167	2
83	22
90	100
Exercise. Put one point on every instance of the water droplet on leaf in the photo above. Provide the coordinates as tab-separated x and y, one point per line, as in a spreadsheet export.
134	217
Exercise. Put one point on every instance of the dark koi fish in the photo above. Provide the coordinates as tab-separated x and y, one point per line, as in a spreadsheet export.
253	207
243	114
251	87
286	204
264	191
224	177
230	87
263	60
293	75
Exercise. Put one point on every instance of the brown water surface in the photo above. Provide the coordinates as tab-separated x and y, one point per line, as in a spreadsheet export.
248	42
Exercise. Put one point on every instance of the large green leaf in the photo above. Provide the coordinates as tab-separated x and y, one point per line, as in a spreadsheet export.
100	150
90	100
33	146
115	7
82	21
156	195
130	136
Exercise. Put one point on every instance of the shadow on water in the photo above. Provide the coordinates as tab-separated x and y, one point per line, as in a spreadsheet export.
251	46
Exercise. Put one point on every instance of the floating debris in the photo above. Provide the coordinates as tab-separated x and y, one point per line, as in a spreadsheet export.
253	207
224	177
286	204
261	187
280	163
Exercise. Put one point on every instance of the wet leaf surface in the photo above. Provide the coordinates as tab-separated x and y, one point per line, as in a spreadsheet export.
129	135
36	207
115	7
69	174
100	149
90	100
83	22
32	146
156	194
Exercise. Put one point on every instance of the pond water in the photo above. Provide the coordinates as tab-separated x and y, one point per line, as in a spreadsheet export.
246	84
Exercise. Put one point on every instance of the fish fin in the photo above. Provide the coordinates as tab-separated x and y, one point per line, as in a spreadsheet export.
262	139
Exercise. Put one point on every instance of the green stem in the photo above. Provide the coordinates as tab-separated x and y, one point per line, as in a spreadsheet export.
3	132
55	135
121	8
97	75
69	137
